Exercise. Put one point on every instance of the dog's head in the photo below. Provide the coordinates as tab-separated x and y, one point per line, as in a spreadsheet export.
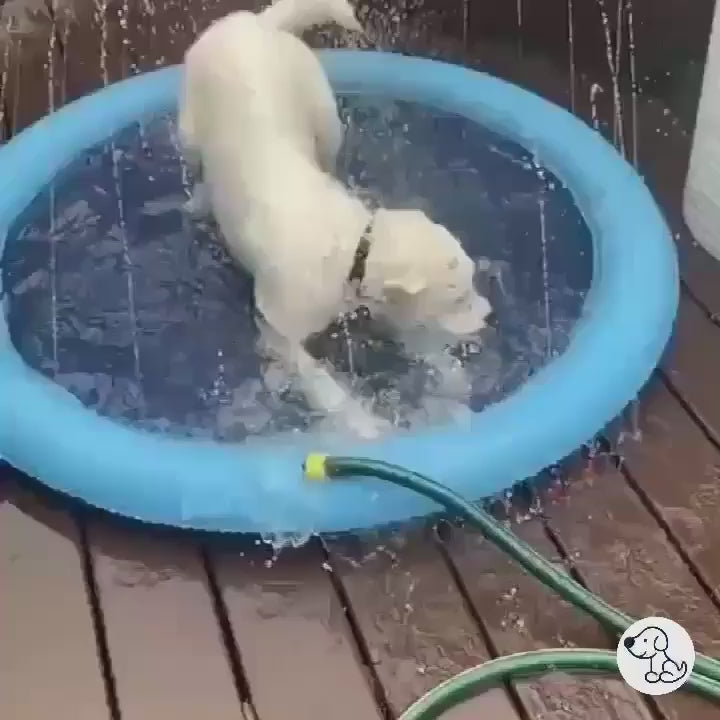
647	643
425	276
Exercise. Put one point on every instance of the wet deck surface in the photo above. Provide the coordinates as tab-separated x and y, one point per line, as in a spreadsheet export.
101	620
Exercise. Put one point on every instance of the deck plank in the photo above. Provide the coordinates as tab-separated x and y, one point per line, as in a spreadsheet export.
294	642
173	26
289	623
48	653
158	34
164	641
669	84
664	146
5	120
499	22
624	556
34	75
207	11
602	71
678	469
657	122
413	618
95	52
520	615
671	40
546	51
692	363
433	28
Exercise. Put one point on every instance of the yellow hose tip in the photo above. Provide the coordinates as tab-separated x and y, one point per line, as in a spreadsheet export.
314	467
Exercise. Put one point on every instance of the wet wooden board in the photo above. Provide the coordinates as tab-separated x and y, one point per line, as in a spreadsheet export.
95	51
519	614
677	469
5	120
692	370
165	644
158	34
664	146
623	555
412	618
33	86
499	22
671	39
295	646
428	28
656	133
173	26
48	653
545	30
545	36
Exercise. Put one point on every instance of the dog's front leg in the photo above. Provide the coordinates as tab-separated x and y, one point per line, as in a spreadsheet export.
322	391
327	395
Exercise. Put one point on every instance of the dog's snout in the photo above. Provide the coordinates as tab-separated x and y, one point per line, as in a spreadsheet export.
629	642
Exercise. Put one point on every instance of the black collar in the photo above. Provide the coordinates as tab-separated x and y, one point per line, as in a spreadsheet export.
357	271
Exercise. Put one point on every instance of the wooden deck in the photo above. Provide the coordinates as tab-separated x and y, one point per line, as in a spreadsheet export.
99	620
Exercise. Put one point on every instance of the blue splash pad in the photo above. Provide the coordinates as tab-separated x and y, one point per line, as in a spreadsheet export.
523	425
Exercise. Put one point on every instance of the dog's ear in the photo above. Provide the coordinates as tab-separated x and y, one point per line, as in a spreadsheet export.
406	285
660	643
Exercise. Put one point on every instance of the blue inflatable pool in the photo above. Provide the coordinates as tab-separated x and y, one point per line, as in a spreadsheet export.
623	325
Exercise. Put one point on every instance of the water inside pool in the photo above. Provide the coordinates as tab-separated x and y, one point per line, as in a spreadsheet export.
120	297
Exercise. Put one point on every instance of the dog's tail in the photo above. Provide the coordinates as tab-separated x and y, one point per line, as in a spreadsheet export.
295	16
682	670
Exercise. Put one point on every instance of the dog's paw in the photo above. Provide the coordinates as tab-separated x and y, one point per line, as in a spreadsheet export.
652	677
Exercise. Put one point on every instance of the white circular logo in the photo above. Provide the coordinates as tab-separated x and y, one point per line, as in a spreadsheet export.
655	656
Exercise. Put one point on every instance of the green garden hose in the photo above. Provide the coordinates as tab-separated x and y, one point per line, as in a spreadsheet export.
705	678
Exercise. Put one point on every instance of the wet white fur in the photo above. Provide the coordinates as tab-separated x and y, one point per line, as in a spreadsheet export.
258	116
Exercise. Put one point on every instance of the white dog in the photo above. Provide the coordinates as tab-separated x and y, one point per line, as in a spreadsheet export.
652	644
258	116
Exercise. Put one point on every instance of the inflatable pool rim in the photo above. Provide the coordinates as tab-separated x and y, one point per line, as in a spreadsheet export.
258	486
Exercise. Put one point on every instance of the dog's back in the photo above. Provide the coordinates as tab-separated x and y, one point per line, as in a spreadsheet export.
255	104
243	76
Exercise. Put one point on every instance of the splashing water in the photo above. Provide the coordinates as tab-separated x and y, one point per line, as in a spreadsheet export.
154	321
